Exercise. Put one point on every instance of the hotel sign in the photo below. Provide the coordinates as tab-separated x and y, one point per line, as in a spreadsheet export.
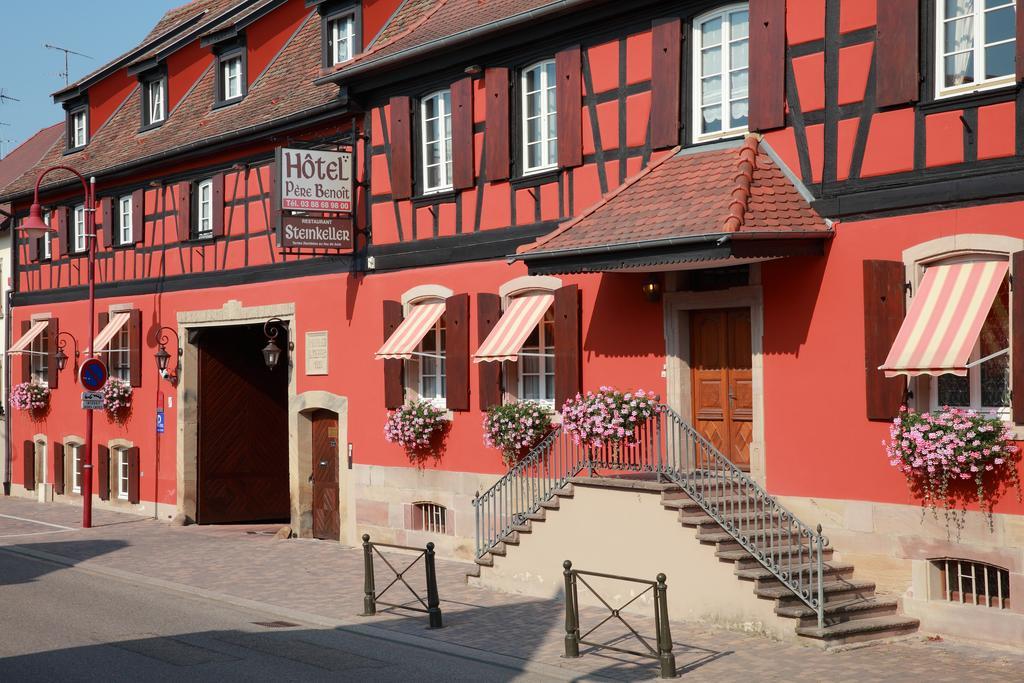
309	232
314	180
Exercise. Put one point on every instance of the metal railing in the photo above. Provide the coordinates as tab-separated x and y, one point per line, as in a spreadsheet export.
663	634
672	449
371	597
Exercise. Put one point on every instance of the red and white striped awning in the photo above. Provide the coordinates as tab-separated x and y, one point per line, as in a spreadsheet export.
21	346
945	319
114	325
505	341
407	336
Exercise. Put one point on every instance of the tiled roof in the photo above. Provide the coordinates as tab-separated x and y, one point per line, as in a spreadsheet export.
177	16
27	154
285	89
738	190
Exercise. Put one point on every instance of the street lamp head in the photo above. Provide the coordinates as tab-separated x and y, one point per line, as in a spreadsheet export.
62	359
162	357
34	225
271	354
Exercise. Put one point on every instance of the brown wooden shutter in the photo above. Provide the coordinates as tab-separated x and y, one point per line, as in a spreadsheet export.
1017	334
666	39
884	309
1020	46
184	211
107	211
35	248
133	475
569	98
896	73
29	465
275	203
63	229
58	468
488	312
135	342
568	366
394	388
52	332
456	312
101	321
496	137
462	133
217	204
401	147
26	358
103	472
138	216
768	68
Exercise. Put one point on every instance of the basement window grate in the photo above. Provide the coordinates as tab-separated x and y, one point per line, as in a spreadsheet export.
973	583
430	517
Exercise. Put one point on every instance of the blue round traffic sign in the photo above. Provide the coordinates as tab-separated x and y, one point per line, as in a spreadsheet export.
93	374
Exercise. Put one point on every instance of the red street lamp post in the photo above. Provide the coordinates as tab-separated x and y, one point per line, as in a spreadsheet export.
34	226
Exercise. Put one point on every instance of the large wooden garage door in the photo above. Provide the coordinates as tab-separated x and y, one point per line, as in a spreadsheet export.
242	468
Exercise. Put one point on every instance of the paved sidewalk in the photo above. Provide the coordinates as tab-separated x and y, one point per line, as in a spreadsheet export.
247	564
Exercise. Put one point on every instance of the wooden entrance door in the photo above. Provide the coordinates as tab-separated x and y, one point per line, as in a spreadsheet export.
326	521
721	364
242	464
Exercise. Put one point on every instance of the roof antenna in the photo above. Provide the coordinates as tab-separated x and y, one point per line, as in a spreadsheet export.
3	140
4	97
66	52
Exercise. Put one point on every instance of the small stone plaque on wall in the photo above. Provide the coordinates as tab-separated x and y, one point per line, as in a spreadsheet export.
316	353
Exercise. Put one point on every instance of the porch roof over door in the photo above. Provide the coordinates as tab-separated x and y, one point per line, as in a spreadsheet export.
707	207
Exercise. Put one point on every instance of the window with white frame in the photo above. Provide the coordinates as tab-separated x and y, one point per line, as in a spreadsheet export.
341	39
720	61
39	357
79	134
537	362
436	119
986	388
122	473
119	354
78	229
231	78
432	384
540	117
975	44
204	210
124	215
74	460
46	250
156	99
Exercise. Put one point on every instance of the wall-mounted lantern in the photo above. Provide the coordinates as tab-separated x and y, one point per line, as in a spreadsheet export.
272	352
61	355
652	288
162	357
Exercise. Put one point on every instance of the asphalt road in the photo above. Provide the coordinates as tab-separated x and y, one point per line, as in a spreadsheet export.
65	624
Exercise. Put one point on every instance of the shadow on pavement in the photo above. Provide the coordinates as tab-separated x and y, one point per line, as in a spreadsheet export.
69	551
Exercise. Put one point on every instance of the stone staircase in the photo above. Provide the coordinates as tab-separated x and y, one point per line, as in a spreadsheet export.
853	612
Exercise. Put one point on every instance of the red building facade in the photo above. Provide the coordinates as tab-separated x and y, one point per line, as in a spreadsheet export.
582	152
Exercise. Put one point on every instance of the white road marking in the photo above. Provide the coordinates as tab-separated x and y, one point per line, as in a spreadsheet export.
37	533
36	521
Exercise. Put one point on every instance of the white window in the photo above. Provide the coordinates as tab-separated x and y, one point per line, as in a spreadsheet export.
155	95
540	117
119	354
47	252
436	115
432	385
79	135
39	357
124	213
976	44
537	363
986	388
78	229
720	58
122	474
204	213
342	39
75	453
231	78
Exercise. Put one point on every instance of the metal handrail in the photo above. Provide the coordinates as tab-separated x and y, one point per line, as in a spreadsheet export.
671	448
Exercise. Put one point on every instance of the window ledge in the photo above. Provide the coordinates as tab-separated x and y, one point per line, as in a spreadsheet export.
221	104
438	197
536	178
1003	92
152	126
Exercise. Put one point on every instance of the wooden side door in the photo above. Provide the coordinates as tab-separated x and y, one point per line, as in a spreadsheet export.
326	516
721	381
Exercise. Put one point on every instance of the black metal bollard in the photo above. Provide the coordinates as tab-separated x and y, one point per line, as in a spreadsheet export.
369	590
572	617
665	655
433	599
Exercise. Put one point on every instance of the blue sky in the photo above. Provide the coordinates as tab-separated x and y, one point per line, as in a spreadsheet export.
102	29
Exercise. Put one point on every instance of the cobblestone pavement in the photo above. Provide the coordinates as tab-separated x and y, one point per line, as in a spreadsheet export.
325	579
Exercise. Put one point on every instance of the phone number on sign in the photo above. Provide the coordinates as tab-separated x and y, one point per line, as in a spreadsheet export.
316	205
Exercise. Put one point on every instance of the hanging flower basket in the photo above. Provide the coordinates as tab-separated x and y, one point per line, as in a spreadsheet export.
608	416
31	396
419	428
941	451
515	428
117	397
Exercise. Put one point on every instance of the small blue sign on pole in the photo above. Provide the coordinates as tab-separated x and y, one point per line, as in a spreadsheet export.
159	420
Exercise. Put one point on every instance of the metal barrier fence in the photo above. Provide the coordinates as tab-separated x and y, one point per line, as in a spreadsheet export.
573	637
371	598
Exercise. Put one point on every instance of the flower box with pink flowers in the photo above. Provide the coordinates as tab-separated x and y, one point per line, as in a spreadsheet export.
608	416
31	396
